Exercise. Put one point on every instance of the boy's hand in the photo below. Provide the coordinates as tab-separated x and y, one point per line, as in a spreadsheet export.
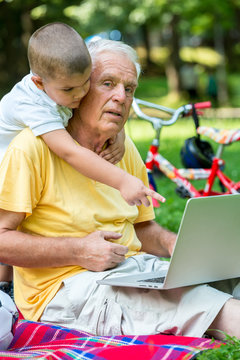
116	149
135	192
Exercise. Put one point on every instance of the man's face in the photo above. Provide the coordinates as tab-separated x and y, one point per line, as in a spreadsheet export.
113	82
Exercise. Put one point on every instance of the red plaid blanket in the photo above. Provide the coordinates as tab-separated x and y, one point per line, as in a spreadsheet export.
33	340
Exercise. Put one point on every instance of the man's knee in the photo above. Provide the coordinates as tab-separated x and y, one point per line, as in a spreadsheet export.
227	321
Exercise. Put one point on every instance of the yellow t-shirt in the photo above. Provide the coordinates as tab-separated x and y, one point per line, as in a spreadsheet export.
59	201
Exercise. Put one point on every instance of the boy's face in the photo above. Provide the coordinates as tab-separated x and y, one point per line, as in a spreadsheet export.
66	91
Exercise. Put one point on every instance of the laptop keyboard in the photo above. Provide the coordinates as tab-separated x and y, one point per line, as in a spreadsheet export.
156	280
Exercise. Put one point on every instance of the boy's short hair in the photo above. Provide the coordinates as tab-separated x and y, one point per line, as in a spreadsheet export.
56	49
96	47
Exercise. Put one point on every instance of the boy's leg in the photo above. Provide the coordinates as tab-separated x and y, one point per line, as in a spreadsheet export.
6	273
6	276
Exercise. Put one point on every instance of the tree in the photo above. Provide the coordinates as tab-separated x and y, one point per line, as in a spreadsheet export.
178	23
18	20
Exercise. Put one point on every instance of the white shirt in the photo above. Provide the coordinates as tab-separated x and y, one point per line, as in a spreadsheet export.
27	106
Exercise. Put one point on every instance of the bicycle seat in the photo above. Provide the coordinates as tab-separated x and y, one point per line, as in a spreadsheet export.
220	136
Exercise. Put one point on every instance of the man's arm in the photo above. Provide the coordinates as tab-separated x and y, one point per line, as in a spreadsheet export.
155	239
92	252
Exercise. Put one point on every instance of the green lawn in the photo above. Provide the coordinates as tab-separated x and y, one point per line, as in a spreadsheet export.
155	89
172	138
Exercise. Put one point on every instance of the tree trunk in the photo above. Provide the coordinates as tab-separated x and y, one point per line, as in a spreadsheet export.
174	63
221	73
16	27
149	65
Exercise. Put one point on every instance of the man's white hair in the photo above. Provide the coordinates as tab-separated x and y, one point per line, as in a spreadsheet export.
98	46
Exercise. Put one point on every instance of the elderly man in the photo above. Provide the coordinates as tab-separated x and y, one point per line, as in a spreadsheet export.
63	231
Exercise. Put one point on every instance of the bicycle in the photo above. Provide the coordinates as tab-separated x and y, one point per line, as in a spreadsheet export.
183	177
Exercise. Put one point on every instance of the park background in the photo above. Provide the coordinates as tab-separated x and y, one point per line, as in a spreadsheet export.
169	35
189	51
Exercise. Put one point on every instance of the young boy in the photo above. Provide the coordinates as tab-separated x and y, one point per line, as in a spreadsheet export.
43	101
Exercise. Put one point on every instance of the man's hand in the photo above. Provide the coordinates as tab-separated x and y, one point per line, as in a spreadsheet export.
135	192
98	254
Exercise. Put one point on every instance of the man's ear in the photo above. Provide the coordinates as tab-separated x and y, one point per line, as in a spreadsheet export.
38	82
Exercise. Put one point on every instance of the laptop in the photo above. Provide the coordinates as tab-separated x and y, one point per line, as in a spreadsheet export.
207	247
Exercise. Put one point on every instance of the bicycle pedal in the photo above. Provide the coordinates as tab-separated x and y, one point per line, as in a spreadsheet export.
182	192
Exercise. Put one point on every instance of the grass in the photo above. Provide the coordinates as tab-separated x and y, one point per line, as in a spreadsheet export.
152	88
155	89
230	350
172	138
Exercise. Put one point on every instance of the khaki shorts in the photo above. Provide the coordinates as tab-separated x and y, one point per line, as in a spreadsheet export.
105	310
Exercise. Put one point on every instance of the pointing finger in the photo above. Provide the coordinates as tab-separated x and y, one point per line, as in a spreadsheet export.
155	195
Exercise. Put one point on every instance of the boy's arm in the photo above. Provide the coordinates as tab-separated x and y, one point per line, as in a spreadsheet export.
116	148
93	166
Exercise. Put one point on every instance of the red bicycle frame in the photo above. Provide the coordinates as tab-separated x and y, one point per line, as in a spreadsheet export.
182	177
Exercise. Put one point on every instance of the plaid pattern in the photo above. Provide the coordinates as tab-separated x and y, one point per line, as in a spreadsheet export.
33	340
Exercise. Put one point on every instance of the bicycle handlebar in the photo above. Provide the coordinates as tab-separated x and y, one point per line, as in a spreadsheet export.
203	105
158	122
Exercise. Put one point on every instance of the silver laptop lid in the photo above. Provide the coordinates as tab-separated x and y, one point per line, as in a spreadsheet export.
208	244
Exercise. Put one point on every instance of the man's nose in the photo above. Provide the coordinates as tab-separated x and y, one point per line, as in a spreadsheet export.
119	94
